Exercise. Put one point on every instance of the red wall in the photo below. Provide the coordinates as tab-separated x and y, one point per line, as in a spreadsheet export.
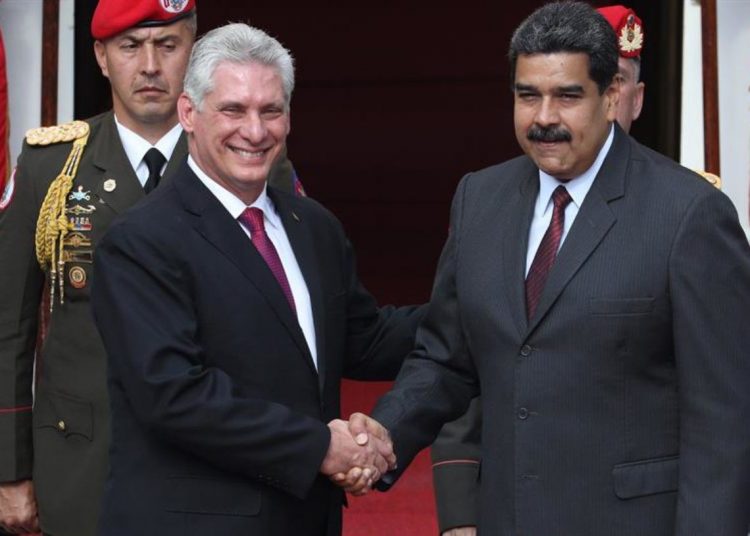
392	106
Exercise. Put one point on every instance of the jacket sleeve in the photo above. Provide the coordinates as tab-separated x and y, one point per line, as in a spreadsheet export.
21	283
438	379
709	278
455	469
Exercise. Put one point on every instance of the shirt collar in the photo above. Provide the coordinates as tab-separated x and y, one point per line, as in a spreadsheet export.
136	146
234	205
577	187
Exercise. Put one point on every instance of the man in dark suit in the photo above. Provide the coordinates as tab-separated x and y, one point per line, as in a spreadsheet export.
596	293
456	451
56	455
230	311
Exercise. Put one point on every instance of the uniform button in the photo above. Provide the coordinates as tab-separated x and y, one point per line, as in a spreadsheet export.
61	426
525	350
523	414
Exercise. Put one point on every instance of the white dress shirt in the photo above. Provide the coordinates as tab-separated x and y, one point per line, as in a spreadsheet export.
136	147
277	234
578	188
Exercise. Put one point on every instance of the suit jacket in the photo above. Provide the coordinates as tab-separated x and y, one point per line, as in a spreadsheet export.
67	452
219	413
617	408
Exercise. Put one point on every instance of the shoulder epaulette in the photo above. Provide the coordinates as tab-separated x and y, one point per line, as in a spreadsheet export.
66	132
711	178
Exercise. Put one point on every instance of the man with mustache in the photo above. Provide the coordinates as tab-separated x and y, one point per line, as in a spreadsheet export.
456	451
596	294
71	182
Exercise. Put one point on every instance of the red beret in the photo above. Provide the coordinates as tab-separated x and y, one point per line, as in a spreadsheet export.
628	27
114	16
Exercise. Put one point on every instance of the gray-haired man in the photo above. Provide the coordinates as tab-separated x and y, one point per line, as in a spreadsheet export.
230	311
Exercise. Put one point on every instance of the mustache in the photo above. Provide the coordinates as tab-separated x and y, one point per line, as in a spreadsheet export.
547	134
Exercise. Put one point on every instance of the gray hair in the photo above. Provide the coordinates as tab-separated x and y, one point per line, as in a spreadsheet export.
191	21
236	43
637	63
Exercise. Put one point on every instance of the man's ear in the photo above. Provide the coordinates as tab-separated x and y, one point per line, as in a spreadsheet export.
100	52
640	87
186	113
612	98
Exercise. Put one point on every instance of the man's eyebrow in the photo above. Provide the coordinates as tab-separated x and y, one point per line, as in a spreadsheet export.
168	37
158	40
573	88
524	87
229	104
131	37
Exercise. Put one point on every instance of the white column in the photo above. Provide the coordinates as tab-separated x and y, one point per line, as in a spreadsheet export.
691	135
733	19
21	23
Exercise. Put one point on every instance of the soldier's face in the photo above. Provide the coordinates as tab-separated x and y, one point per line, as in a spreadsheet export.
631	93
145	67
561	120
240	128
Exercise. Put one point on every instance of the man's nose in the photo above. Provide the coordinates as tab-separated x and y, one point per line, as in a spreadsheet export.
547	113
254	128
150	64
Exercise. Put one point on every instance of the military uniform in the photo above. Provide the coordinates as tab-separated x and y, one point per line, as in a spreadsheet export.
70	419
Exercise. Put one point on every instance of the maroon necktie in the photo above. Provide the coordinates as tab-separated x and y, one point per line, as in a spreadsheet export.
252	218
545	255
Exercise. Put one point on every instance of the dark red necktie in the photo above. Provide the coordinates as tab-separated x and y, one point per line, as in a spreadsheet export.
252	218
545	255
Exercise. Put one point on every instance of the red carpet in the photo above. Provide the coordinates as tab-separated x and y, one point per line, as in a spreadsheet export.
408	509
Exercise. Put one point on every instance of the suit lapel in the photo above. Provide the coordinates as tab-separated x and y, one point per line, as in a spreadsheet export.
178	156
521	209
301	240
594	220
109	156
217	226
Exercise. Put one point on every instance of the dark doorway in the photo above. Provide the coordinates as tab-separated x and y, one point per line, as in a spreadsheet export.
394	104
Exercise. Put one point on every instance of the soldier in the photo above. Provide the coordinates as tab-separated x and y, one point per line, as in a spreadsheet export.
455	453
629	30
71	181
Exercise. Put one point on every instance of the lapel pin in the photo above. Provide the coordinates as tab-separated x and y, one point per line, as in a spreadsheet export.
294	215
80	195
77	276
110	185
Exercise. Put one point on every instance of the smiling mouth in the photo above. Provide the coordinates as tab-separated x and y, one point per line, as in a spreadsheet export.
247	154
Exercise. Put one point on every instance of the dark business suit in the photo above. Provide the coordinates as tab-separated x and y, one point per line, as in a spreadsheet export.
68	455
619	408
219	415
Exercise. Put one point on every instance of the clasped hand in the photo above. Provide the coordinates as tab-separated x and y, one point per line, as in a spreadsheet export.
360	452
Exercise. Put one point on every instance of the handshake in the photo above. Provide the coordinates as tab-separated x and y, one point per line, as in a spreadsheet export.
360	452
